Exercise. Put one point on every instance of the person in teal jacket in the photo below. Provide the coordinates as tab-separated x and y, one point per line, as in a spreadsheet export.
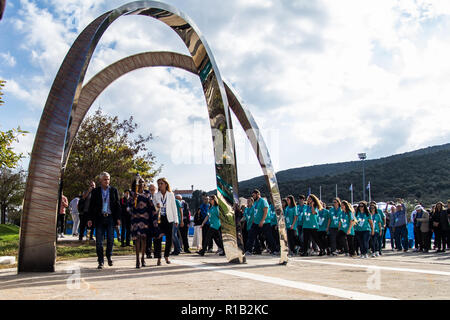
346	231
333	224
274	226
322	219
363	228
290	215
378	231
383	226
248	216
214	230
310	223
261	225
301	209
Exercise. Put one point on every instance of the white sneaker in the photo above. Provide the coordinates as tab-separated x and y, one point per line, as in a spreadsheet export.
62	236
373	255
377	254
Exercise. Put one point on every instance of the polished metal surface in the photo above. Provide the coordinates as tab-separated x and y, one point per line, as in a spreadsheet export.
104	78
37	249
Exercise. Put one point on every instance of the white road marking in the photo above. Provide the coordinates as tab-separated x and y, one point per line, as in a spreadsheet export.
435	272
354	295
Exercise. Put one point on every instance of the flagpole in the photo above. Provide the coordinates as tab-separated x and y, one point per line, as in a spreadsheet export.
369	191
352	194
320	193
336	191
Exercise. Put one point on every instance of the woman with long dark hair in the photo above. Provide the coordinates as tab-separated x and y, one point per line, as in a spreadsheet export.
377	228
437	226
310	223
143	210
346	232
364	228
323	218
214	231
333	224
290	215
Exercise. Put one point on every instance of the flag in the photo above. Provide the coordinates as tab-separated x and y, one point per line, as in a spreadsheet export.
351	187
309	191
368	186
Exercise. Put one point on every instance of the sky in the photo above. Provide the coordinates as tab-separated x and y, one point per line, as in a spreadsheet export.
324	79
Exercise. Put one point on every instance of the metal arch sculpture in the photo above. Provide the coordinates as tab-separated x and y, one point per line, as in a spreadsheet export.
109	74
37	249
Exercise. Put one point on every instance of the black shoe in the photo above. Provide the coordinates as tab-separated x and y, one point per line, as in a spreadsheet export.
405	250
187	251
149	256
110	263
137	264
100	266
174	253
122	245
202	253
143	262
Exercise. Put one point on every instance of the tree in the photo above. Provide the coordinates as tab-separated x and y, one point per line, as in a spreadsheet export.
103	143
12	188
8	158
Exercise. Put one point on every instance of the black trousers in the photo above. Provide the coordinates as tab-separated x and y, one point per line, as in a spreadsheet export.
166	228
437	237
256	231
417	237
347	242
184	236
323	240
333	238
291	234
445	238
276	237
213	234
205	229
426	241
125	234
61	223
83	225
308	236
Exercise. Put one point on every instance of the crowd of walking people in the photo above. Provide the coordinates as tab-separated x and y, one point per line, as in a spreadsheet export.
312	227
148	214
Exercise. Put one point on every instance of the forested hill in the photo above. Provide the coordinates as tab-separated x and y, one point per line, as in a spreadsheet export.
423	174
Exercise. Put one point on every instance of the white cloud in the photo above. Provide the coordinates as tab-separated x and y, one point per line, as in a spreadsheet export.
334	77
7	59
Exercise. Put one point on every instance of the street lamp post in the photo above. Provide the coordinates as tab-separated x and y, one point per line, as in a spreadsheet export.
362	157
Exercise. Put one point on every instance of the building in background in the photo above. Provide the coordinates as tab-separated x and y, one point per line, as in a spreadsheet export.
186	194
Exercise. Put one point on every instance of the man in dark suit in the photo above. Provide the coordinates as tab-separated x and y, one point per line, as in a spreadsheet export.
104	210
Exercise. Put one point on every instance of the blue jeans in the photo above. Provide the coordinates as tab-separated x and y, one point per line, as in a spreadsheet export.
375	242
104	225
363	240
175	239
401	237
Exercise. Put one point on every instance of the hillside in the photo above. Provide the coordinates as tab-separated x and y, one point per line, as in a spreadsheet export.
420	174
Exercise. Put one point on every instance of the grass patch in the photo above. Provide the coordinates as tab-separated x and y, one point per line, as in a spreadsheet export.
9	240
70	251
9	246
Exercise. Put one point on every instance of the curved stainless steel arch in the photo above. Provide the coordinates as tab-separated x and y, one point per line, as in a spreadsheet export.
104	78
37	249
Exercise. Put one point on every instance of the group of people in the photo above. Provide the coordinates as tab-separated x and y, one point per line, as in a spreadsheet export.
146	216
342	228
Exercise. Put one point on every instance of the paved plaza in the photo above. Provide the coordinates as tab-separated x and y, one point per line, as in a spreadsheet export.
189	276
